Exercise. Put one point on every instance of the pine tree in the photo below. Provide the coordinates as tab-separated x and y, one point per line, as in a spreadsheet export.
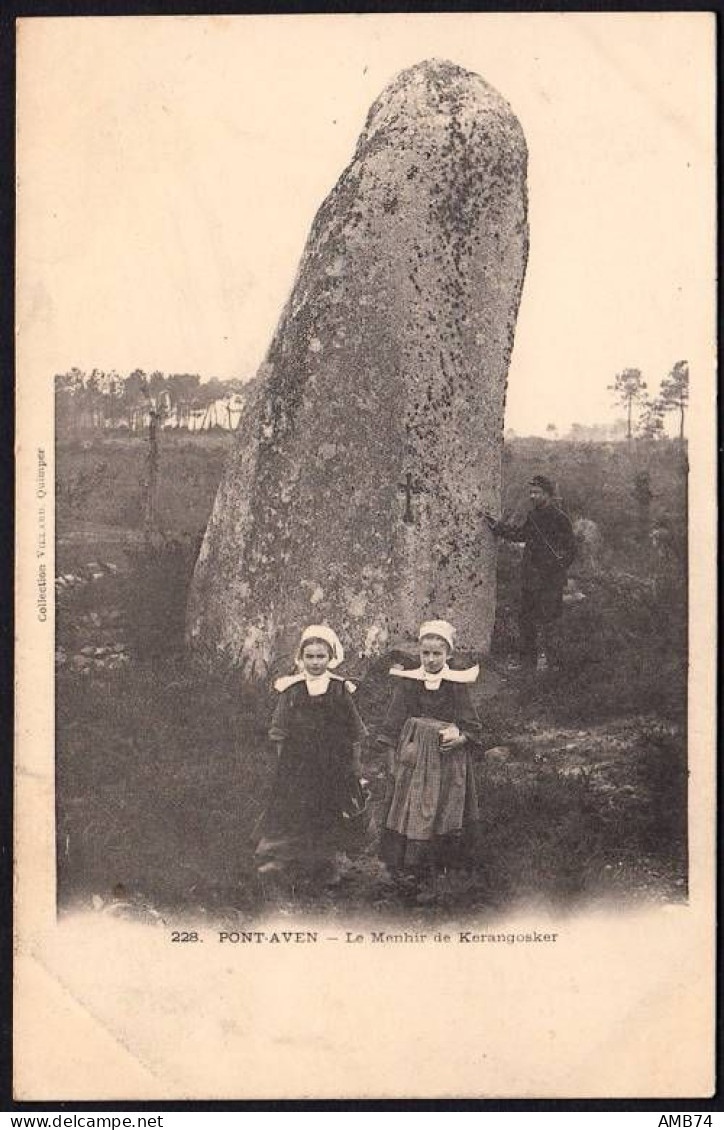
674	394
629	388
651	420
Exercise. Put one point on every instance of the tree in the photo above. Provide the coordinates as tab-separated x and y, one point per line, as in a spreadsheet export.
93	397
674	393
629	388
156	383
115	392
70	383
552	431
211	390
651	419
184	387
69	399
135	389
159	407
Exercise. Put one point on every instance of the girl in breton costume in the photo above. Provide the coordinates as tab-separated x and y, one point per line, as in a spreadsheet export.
318	734
430	730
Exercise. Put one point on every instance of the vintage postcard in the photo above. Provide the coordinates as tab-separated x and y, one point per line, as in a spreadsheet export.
366	557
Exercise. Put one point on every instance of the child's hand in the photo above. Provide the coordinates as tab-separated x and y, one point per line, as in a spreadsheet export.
453	743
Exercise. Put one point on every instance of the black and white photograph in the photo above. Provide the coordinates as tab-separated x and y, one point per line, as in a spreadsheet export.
373	350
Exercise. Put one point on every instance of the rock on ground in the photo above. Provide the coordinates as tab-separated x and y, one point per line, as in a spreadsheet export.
356	489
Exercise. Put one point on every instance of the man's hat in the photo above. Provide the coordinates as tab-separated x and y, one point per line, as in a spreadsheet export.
544	483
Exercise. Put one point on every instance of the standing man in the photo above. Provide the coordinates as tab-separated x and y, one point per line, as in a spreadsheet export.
550	547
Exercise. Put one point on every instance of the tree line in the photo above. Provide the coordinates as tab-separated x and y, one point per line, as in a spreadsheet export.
631	392
645	413
107	399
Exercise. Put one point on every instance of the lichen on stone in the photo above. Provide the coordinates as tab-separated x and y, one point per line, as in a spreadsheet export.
373	447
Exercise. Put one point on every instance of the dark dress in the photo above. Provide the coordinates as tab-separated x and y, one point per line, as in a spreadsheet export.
316	796
432	810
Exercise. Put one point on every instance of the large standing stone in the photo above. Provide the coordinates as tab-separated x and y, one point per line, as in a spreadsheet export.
356	490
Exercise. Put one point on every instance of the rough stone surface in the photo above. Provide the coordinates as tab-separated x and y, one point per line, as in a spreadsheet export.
390	360
590	542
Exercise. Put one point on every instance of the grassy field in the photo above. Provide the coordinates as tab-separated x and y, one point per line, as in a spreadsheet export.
163	771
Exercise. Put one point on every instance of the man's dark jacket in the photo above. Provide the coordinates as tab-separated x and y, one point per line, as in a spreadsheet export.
550	547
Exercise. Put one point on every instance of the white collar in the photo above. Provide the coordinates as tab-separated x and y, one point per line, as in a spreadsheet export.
315	685
432	682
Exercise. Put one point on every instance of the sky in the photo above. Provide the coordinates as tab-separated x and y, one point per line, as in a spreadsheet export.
169	170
